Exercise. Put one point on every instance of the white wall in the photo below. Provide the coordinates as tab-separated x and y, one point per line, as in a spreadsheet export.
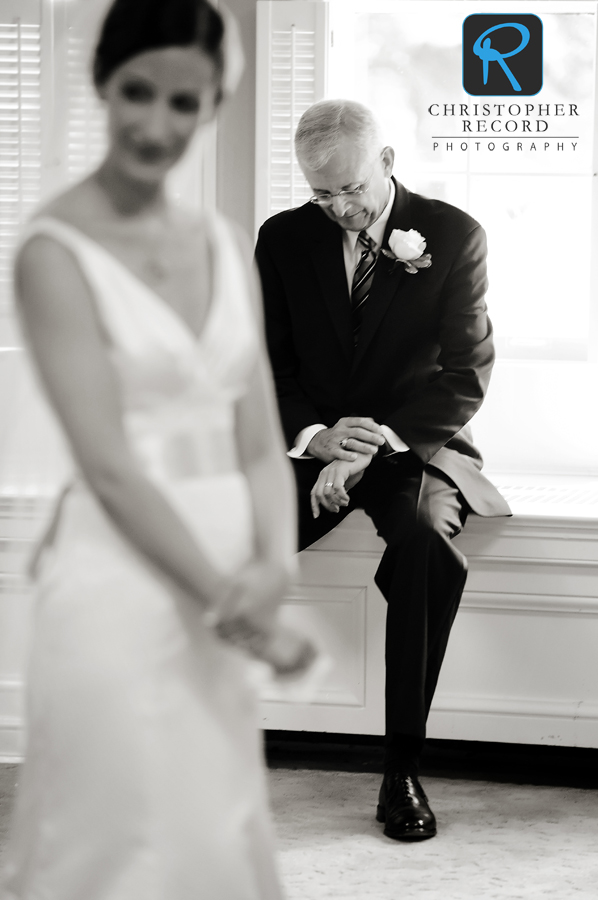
521	665
236	135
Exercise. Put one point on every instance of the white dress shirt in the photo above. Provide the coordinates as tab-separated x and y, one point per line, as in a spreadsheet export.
352	255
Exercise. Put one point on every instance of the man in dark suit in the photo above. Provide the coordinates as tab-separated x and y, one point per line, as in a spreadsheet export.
380	360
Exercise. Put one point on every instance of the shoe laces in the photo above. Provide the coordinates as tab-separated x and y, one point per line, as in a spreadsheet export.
407	785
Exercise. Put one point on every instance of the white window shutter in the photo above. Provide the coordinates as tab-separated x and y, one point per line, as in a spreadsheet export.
292	47
74	121
51	123
20	129
86	140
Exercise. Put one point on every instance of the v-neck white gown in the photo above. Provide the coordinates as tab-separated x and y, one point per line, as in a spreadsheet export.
144	777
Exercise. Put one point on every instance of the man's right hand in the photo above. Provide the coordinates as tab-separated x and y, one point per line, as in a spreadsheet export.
358	435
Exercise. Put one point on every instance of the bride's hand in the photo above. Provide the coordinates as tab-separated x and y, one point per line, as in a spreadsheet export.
289	652
247	618
335	480
286	650
246	613
254	594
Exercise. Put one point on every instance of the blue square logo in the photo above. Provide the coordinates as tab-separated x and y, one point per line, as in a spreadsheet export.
502	55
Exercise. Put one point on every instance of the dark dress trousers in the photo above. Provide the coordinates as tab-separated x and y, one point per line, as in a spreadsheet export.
421	366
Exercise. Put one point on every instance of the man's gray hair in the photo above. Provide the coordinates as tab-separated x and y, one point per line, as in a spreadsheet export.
323	125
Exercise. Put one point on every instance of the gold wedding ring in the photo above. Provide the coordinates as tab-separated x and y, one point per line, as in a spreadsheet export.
329	484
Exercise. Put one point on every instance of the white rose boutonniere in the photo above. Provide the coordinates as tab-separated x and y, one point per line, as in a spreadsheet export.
408	248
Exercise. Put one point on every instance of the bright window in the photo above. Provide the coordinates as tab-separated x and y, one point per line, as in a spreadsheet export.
406	65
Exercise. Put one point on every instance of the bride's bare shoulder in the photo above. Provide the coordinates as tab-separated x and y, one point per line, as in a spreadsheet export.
41	257
75	206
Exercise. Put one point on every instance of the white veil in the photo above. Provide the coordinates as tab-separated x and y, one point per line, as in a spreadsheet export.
35	462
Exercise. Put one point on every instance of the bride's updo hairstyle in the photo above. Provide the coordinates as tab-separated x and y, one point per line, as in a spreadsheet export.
132	27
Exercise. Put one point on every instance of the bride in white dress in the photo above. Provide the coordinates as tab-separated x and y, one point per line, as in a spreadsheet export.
174	536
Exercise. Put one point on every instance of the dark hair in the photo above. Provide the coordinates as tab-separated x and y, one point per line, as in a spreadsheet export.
132	27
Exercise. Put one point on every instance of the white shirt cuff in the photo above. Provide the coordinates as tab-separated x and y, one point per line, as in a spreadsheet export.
302	440
393	439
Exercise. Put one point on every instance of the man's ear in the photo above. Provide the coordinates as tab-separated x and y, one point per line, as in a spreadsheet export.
388	159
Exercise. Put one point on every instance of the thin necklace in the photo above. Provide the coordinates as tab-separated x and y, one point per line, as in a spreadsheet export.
157	268
158	264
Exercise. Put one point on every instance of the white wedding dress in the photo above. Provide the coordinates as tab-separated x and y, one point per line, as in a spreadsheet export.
144	777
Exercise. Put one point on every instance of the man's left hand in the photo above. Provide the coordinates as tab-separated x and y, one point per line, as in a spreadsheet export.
334	481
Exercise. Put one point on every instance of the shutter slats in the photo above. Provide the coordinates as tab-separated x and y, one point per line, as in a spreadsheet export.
85	128
20	130
21	113
293	90
292	39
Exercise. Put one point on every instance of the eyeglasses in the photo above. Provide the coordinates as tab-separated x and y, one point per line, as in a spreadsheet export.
325	199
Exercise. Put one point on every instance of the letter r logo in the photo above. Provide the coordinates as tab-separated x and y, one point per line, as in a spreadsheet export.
502	55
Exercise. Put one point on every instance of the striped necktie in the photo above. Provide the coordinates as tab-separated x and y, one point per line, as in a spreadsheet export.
362	281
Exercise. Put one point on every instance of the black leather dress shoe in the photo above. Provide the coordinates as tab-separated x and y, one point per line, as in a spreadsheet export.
403	806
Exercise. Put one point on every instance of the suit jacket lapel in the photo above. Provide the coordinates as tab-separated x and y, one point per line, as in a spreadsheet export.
329	263
388	278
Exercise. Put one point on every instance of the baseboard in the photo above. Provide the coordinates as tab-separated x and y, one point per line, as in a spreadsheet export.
564	723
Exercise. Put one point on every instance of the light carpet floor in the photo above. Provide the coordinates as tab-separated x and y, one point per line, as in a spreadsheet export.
494	841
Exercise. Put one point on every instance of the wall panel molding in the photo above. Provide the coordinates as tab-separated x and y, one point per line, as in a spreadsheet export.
536	604
334	617
521	665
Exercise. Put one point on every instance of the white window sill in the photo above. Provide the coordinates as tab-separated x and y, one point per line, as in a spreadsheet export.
552	496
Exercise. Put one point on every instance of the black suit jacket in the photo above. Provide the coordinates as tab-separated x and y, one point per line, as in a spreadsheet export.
425	351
